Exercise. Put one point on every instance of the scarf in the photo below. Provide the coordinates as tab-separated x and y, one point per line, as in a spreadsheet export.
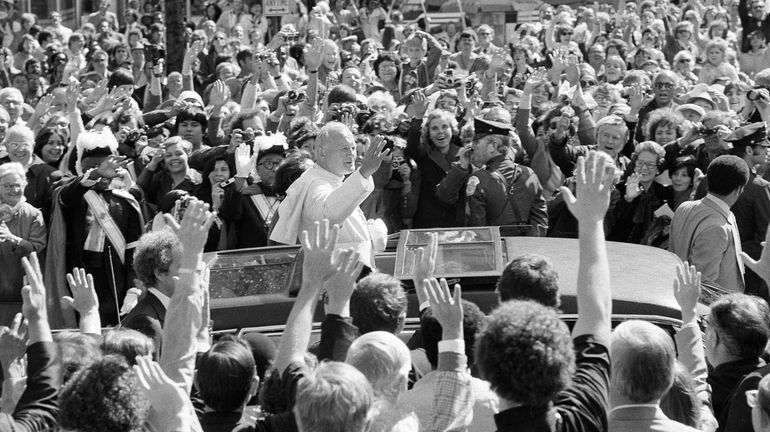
7	212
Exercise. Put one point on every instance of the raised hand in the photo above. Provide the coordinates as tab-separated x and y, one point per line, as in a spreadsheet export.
13	342
164	395
761	267
342	283
594	182
98	92
373	156
498	61
418	105
73	95
633	188
687	291
319	246
349	121
243	160
84	299
192	232
109	167
34	293
535	79
446	307
190	56
43	105
635	97
219	95
424	265
314	55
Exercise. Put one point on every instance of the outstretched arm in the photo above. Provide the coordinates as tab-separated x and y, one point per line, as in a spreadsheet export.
595	175
317	267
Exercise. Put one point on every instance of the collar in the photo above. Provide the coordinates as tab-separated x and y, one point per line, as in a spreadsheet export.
164	300
526	419
637	412
719	203
322	172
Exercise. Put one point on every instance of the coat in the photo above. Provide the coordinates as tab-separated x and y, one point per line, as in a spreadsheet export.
433	166
147	318
644	419
704	234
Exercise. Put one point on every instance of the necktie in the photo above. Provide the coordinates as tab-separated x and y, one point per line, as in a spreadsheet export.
737	242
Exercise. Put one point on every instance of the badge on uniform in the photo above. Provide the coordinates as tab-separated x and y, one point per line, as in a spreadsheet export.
470	189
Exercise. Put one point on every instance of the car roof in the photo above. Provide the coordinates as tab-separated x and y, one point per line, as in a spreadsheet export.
641	277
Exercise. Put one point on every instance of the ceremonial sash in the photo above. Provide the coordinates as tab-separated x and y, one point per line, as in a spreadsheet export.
265	206
107	225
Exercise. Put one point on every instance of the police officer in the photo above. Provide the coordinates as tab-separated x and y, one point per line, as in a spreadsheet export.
502	192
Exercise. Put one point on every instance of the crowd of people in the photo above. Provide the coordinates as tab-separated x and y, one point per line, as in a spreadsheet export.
339	124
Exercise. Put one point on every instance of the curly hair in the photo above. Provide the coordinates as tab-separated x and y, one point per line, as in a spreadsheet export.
104	396
153	254
525	352
386	56
378	303
530	277
438	114
662	117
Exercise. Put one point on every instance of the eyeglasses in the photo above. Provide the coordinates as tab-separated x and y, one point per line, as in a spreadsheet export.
567	34
271	165
650	165
664	85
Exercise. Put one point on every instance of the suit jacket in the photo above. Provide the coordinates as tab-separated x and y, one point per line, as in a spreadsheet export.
644	419
147	318
702	233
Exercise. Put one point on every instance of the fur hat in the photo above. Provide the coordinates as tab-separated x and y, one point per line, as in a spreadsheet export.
95	143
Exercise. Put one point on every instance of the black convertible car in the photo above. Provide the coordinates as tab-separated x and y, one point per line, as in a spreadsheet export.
250	288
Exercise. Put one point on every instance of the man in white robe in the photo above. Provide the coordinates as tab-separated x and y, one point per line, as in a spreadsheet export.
323	192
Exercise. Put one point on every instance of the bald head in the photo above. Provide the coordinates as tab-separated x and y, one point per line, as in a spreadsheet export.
335	149
643	358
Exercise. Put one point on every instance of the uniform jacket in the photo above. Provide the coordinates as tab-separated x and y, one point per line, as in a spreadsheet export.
504	193
702	234
245	225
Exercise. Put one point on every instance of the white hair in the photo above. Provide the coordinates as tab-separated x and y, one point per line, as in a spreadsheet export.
9	168
643	359
384	360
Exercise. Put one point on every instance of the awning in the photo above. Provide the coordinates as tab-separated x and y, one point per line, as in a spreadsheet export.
476	6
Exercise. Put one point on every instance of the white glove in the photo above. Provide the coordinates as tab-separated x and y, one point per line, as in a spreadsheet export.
243	162
130	300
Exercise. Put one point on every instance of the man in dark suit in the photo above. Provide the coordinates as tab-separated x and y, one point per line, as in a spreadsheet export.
705	233
156	262
752	210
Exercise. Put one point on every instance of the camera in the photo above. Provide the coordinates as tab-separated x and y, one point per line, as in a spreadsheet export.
449	79
295	96
290	37
133	137
703	130
154	53
267	56
754	94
